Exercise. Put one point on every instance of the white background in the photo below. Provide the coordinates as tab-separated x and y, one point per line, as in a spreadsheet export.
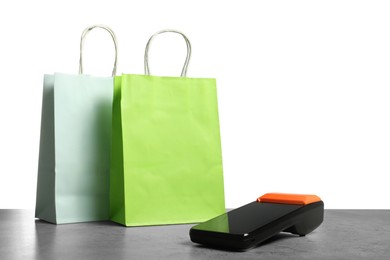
304	86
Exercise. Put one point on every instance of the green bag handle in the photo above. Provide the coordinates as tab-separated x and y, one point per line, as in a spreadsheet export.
187	61
84	34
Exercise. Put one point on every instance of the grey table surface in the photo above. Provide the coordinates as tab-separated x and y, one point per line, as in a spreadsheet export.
344	234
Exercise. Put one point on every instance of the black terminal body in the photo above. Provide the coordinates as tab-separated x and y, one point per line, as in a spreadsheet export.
251	224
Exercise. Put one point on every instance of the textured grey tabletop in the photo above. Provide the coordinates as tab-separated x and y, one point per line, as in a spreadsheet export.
344	234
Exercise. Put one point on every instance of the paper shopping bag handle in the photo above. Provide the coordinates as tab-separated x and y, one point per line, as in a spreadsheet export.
84	34
187	61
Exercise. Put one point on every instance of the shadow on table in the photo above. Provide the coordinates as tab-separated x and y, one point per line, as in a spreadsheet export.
71	240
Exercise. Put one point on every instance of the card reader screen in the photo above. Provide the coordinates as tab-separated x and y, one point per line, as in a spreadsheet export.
247	218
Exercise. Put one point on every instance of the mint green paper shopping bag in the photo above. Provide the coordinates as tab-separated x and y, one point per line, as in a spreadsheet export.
74	154
166	165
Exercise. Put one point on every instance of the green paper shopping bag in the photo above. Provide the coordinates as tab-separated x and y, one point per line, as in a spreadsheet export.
74	155
166	165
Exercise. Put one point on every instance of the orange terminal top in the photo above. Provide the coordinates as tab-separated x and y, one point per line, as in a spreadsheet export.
286	198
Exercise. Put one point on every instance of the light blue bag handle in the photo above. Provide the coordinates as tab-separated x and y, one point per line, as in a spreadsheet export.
84	34
187	61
